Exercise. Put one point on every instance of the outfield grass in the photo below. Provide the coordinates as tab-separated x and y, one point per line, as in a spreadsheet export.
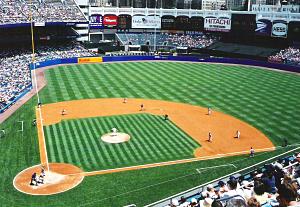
152	140
266	99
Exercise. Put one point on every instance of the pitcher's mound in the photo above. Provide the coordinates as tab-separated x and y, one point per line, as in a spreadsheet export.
115	138
60	178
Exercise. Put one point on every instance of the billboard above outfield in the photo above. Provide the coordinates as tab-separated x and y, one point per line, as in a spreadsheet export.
263	27
110	21
168	22
146	22
96	21
124	22
218	23
279	28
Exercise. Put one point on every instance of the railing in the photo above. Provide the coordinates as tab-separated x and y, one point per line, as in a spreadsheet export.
25	91
193	191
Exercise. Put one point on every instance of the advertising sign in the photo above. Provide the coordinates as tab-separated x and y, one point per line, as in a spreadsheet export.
279	28
96	21
217	23
110	21
263	27
145	22
182	23
168	22
124	22
90	60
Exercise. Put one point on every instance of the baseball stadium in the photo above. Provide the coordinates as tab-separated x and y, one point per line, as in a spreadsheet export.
150	103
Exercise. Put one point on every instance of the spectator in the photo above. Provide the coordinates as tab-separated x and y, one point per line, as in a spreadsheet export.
289	56
15	77
216	203
253	202
260	192
288	194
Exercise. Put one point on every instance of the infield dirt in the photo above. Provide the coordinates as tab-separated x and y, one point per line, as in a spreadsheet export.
191	119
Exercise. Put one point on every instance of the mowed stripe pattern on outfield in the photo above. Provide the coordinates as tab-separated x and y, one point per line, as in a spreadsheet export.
152	140
265	99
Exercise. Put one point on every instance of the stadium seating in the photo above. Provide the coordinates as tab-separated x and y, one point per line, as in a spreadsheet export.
13	12
265	185
165	39
14	67
289	56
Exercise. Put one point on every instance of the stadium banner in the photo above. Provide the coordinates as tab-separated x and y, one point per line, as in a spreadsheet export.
146	22
279	28
168	22
124	21
263	27
39	24
96	21
110	21
90	60
220	23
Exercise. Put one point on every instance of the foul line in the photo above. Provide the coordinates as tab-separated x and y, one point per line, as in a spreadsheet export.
217	166
137	167
41	138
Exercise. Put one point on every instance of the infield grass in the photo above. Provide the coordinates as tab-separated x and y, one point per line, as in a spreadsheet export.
266	99
152	140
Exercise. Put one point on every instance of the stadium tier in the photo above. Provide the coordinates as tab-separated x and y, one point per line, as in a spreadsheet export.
15	76
165	39
17	12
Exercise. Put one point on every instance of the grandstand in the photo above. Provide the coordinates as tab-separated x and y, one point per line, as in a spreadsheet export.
167	40
17	12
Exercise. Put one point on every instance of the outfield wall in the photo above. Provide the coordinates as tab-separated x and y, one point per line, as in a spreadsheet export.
167	58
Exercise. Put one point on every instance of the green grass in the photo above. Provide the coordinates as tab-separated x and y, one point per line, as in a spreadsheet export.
152	140
266	99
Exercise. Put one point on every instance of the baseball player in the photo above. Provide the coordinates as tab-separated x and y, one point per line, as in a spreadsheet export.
209	111
251	152
209	137
142	107
64	112
238	134
34	179
166	117
125	100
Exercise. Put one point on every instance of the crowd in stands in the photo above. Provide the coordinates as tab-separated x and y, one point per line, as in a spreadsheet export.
166	39
289	56
276	184
15	75
19	11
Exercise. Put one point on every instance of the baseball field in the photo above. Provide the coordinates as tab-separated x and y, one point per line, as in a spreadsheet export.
262	103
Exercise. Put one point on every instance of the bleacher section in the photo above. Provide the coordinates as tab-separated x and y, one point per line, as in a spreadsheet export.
289	56
165	39
240	50
19	11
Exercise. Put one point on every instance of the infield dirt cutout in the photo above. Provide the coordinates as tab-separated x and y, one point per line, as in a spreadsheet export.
191	119
194	120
